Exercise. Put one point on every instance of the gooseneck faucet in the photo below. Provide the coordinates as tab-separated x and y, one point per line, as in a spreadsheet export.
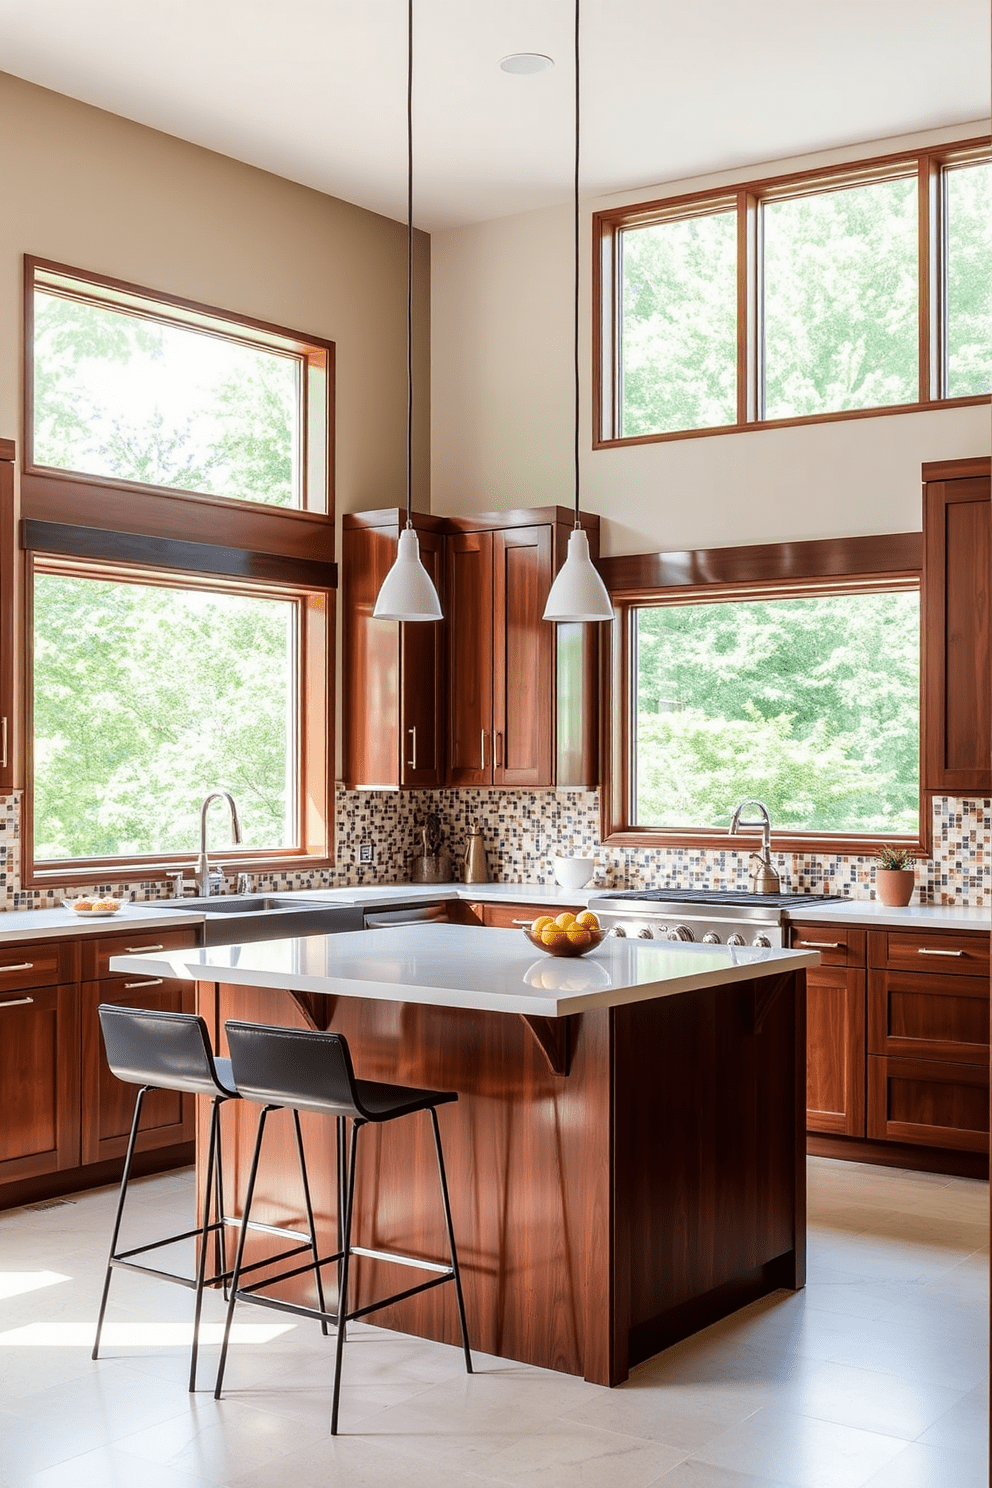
764	879
203	862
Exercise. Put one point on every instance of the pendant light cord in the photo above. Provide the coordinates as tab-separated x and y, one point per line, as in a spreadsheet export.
409	265
575	343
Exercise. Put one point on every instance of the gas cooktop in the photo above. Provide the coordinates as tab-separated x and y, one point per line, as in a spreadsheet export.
715	896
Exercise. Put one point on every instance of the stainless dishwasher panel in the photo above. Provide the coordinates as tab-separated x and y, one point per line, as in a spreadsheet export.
415	914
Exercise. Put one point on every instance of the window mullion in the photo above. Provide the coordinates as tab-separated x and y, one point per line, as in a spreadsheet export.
749	372
931	384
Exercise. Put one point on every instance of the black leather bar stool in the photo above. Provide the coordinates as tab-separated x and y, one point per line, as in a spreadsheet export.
303	1071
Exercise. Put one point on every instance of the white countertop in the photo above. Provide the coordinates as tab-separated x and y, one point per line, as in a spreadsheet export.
469	967
488	893
871	915
59	924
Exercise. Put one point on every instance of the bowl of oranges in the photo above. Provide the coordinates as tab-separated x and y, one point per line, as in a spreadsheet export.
568	935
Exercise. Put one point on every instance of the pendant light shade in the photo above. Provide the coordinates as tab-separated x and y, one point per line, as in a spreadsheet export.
407	592
578	593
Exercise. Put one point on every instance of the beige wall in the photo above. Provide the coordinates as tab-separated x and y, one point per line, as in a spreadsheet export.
93	190
501	386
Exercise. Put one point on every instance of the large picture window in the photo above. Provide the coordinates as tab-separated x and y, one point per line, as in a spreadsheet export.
177	543
811	705
836	294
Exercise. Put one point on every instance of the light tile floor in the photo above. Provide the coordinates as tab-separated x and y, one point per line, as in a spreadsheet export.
876	1375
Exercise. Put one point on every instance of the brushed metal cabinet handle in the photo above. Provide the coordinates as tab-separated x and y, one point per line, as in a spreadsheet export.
927	951
20	966
521	922
3	743
136	950
499	750
413	747
155	982
822	945
482	751
17	1002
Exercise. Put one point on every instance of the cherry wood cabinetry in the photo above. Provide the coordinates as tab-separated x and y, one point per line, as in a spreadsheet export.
957	613
494	694
392	673
509	916
898	1040
65	1117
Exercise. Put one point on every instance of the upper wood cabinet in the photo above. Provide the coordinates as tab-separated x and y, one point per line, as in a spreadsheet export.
505	697
957	573
393	673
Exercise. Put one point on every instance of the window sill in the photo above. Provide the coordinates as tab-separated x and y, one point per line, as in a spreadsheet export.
817	844
71	873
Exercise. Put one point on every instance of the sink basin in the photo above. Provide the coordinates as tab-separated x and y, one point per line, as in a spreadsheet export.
235	918
229	904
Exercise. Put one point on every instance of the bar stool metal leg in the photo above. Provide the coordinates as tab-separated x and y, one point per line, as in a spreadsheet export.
451	1240
132	1139
220	1264
239	1257
343	1292
311	1228
342	1182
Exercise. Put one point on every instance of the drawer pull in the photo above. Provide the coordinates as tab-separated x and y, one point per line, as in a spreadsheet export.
823	945
926	951
21	966
136	950
155	982
521	922
17	1002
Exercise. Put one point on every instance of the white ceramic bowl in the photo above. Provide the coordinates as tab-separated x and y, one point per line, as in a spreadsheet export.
574	873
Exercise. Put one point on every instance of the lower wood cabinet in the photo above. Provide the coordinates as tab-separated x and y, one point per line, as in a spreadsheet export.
39	1078
930	1102
108	1108
509	916
835	1040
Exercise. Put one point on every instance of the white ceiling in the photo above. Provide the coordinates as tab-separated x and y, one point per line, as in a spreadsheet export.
315	89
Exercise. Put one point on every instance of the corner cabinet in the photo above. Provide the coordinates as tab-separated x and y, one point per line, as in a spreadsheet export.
957	613
494	695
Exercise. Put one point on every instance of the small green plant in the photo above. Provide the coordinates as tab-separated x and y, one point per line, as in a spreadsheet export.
895	859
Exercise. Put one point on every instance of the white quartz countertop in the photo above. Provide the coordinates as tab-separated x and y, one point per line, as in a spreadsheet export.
469	967
489	893
869	914
58	924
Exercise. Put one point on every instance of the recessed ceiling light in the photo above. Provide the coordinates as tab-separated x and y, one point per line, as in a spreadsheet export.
525	62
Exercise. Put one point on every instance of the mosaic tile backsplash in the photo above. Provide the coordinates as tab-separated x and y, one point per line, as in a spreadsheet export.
524	830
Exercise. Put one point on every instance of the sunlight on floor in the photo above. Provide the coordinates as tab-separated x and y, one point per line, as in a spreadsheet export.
16	1283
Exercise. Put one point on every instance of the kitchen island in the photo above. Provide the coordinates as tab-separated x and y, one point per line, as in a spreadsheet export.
627	1154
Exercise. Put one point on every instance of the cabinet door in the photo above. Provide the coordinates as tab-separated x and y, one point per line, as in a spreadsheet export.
523	674
108	1103
835	1050
929	1102
370	661
39	1077
929	1017
957	712
470	653
421	736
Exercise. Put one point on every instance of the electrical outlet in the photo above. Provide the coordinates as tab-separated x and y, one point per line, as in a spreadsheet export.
366	852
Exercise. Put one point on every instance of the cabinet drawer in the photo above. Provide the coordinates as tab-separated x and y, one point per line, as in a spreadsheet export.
97	954
837	944
929	1102
947	952
516	916
928	1017
36	964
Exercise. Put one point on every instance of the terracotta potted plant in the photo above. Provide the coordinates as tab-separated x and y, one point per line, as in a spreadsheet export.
895	877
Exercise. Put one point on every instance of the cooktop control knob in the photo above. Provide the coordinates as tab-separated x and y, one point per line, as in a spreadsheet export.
736	939
645	933
711	938
761	940
681	932
619	932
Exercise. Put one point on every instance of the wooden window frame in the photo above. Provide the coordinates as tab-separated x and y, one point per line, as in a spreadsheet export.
927	165
259	550
893	562
314	747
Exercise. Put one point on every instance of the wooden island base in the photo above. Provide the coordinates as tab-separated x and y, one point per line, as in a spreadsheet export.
602	1214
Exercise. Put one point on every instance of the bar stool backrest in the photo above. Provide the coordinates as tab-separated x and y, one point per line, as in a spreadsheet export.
167	1050
292	1067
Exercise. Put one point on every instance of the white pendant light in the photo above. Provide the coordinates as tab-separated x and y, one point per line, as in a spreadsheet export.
578	593
407	592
